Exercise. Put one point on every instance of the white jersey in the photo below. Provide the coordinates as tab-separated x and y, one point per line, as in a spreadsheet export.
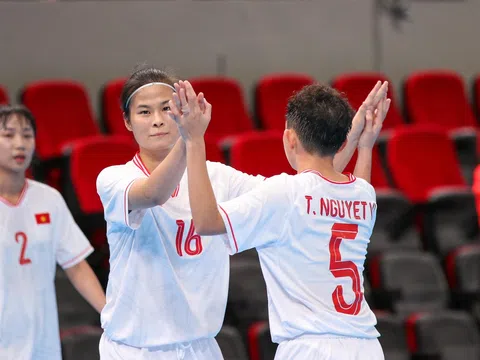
167	284
37	233
312	236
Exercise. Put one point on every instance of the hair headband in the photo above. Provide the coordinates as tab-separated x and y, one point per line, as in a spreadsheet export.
144	86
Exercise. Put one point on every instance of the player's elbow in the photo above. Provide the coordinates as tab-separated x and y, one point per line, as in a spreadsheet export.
209	225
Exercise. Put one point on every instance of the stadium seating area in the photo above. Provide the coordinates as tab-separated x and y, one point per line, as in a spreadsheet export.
423	268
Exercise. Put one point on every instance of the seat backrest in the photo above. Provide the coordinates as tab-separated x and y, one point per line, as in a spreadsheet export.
229	115
379	178
356	86
260	153
3	96
80	342
62	112
448	334
231	344
422	158
438	97
415	280
111	107
271	97
392	337
247	295
86	164
463	268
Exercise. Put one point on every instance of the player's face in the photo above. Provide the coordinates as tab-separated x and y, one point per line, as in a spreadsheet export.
17	144
153	129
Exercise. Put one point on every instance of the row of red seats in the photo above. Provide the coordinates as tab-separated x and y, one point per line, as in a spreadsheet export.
63	109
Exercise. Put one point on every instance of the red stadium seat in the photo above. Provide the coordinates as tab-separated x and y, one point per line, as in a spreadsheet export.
63	114
438	97
80	188
356	87
3	96
111	107
424	167
260	154
271	97
395	228
412	155
229	116
85	164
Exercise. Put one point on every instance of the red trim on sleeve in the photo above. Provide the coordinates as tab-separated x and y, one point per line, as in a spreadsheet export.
76	257
231	228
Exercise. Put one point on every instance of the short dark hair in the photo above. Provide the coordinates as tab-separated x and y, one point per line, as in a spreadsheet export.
321	117
6	111
140	77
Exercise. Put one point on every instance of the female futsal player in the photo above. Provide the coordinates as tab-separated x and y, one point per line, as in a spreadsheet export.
38	232
167	287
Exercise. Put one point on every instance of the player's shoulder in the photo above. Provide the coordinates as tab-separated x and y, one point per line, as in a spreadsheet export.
364	185
44	191
115	172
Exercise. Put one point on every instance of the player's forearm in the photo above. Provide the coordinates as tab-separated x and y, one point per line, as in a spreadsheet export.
342	158
206	217
84	280
159	186
363	167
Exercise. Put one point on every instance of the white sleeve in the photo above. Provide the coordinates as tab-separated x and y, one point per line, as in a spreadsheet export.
71	244
257	218
240	183
113	186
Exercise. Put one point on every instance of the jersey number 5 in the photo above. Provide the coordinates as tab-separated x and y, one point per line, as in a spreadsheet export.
21	237
191	238
341	269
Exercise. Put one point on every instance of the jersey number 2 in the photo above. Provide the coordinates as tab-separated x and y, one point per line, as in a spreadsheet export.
21	237
341	269
191	238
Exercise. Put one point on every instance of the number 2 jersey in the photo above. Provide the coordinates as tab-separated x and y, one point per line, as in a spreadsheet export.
311	235
167	285
37	233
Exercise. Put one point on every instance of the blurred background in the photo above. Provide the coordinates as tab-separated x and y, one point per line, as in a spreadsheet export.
67	60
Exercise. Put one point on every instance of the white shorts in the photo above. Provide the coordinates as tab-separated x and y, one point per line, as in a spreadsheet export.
322	348
202	349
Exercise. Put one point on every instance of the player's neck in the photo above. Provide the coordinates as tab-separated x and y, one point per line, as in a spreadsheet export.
324	165
11	185
152	160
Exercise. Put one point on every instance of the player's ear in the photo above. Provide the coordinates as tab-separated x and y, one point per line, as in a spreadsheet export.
127	122
290	139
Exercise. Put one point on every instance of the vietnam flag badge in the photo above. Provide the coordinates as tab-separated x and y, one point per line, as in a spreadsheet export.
43	218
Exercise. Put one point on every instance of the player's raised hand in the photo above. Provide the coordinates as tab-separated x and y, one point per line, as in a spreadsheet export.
190	111
371	102
373	122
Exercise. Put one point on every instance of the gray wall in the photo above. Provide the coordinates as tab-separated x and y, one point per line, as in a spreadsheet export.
99	40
